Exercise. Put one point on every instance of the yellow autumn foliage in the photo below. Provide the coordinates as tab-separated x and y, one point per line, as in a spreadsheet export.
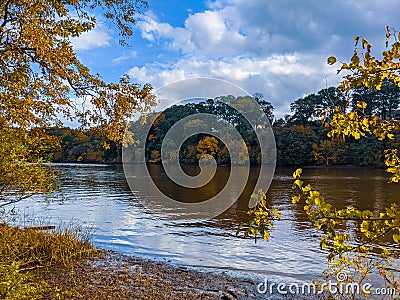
43	83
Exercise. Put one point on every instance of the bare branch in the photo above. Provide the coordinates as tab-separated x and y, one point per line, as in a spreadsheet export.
15	200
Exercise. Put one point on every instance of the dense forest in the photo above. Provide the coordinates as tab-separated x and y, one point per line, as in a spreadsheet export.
301	138
83	146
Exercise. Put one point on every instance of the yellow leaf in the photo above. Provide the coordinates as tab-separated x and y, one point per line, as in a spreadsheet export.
365	122
331	60
297	173
355	60
396	238
361	104
295	199
323	243
105	145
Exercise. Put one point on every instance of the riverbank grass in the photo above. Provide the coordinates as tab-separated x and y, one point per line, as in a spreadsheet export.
24	250
63	264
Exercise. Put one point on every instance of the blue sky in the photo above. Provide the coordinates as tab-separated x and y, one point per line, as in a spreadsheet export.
278	48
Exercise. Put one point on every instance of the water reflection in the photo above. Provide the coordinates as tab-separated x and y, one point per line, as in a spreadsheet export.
99	197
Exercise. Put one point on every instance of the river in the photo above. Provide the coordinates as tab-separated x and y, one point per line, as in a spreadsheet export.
98	197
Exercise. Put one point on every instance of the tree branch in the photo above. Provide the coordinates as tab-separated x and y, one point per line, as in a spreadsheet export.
5	13
355	219
15	200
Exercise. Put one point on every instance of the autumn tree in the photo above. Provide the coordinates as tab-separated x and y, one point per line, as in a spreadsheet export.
208	145
237	147
42	83
329	151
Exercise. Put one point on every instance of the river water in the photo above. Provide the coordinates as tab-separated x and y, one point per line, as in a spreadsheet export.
98	197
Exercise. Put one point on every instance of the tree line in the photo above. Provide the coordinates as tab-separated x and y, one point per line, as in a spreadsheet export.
301	138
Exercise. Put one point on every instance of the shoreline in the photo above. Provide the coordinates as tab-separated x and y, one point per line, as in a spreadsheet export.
117	276
113	275
304	166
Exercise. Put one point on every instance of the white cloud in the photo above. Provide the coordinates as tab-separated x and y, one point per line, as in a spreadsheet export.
308	25
95	38
203	33
262	28
281	78
127	56
152	30
278	48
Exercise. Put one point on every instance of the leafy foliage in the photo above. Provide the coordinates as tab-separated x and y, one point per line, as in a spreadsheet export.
83	146
300	141
41	76
345	251
372	73
42	83
366	70
17	285
357	255
261	219
195	146
294	144
22	250
328	151
370	119
19	177
208	145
